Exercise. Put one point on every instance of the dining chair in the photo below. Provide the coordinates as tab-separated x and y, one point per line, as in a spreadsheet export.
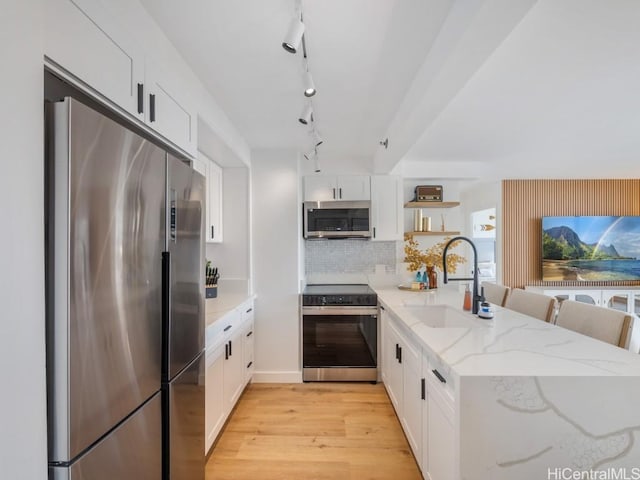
494	293
533	304
606	324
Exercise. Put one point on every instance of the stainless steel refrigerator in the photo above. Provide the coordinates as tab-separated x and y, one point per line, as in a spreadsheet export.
125	284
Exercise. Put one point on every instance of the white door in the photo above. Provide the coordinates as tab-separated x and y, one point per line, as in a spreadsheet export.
214	403
386	208
84	39
393	365
319	188
440	433
412	397
354	187
233	370
169	110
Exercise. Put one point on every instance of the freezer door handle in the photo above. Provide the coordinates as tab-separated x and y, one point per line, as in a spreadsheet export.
166	309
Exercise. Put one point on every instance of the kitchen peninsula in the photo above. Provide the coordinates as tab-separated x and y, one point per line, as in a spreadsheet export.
511	397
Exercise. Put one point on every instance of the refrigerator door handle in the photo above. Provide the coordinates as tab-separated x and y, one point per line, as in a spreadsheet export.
166	311
173	216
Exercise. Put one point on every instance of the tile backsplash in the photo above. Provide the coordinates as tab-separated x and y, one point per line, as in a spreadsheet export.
348	256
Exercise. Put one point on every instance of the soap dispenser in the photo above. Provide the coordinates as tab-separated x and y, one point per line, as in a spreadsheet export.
466	305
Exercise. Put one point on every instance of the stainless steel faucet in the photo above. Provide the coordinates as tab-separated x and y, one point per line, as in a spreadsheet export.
477	298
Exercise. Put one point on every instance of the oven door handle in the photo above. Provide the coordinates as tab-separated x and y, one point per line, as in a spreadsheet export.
340	311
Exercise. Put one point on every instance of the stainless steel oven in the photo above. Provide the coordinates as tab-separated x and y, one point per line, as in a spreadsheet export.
339	333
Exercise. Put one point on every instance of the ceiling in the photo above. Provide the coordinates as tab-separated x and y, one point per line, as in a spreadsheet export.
507	88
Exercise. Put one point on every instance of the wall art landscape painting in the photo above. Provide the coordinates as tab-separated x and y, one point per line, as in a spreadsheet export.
590	248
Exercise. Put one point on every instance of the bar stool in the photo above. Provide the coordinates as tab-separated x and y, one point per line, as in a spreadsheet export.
606	324
494	293
533	304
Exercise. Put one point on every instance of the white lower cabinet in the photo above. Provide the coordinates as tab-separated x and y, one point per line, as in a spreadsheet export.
233	379
438	433
392	367
229	345
422	392
412	396
214	405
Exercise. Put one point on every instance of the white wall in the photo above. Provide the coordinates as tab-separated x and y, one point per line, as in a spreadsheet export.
276	217
23	442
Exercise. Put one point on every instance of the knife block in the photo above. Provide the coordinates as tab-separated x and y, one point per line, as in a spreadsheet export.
211	291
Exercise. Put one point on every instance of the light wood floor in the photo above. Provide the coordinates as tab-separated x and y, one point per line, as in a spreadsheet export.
313	431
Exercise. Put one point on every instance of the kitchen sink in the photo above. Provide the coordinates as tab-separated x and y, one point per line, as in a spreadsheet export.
444	316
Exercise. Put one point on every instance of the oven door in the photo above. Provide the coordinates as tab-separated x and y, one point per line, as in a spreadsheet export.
339	344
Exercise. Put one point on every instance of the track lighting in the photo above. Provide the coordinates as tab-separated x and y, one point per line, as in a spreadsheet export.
292	39
309	86
306	117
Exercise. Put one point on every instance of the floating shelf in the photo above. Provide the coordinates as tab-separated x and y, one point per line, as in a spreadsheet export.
434	233
431	204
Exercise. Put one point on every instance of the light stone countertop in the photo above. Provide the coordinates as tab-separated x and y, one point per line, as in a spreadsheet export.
216	308
509	344
531	398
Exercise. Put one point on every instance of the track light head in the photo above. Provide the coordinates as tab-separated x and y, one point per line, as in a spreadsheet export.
313	155
306	117
317	139
310	155
309	86
292	39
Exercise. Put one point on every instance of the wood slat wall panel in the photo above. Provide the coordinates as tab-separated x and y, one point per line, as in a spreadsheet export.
525	202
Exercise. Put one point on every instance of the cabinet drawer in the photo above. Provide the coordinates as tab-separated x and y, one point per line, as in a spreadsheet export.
440	378
222	329
247	311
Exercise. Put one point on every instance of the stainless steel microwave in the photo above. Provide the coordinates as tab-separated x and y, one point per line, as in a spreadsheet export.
337	219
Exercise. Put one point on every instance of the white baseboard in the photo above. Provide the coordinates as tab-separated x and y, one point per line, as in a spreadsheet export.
277	377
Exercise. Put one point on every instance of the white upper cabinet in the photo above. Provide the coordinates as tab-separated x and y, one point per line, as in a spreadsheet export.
84	40
213	216
386	208
326	188
169	111
214	203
